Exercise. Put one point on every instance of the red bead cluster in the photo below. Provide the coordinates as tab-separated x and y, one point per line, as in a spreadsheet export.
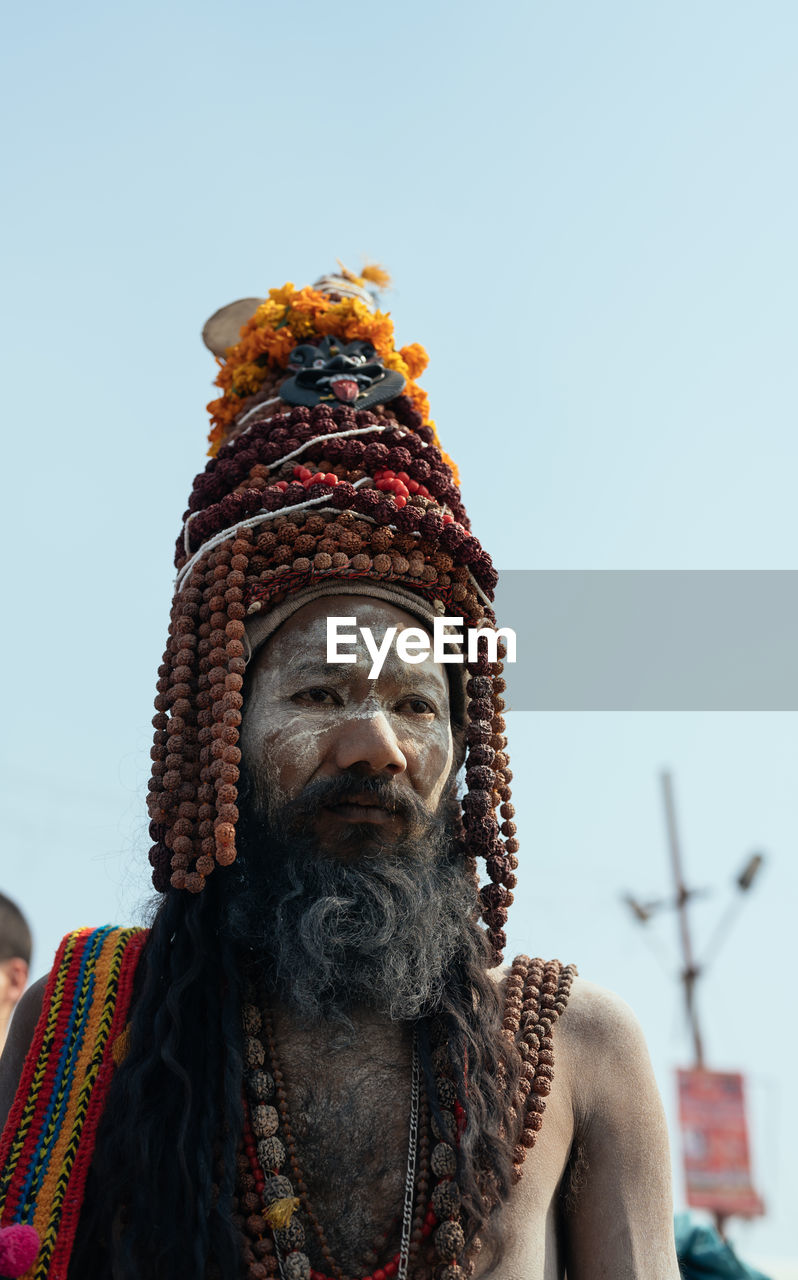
244	478
308	479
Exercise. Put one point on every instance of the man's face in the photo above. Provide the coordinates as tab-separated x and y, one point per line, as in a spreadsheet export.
360	763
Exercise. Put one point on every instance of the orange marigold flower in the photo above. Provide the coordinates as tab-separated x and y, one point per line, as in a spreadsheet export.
256	343
308	300
416	359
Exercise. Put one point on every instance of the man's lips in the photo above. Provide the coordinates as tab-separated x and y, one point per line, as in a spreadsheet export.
364	808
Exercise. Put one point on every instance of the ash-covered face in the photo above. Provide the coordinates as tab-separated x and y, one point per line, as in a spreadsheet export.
337	372
356	763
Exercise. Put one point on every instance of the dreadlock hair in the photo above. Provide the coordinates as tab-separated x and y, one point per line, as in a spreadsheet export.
159	1200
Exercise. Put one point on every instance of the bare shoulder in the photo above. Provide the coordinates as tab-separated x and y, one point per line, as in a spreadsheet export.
603	1053
592	1015
596	1019
598	1042
20	1036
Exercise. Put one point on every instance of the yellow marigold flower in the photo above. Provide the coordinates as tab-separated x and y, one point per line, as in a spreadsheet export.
415	358
247	379
393	360
301	324
283	296
269	312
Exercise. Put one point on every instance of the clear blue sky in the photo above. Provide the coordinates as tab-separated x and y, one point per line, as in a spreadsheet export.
589	212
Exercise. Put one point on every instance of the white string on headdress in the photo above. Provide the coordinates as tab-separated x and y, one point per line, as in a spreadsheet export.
257	408
250	523
273	466
262	516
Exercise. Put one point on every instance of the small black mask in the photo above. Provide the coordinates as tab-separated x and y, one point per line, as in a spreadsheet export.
335	372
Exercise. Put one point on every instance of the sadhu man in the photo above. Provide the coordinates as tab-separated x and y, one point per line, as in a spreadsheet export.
315	1063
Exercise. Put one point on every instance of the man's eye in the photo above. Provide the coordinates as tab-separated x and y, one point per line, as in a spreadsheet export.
317	696
418	706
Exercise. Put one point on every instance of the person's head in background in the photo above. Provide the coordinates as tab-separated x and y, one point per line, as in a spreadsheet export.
15	952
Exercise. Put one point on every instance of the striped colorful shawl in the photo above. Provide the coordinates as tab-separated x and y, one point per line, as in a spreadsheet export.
48	1142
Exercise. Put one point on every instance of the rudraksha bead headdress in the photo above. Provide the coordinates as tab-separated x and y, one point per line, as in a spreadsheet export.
325	466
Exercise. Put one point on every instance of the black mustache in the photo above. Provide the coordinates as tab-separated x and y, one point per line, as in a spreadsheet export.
326	792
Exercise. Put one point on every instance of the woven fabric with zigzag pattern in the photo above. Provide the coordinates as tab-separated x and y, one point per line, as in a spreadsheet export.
48	1141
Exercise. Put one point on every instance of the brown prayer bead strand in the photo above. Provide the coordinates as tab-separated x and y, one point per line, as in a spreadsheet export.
545	997
257	1247
158	853
226	679
171	690
299	1183
508	829
184	658
206	790
182	745
173	807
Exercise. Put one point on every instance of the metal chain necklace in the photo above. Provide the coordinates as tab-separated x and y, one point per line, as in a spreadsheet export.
410	1179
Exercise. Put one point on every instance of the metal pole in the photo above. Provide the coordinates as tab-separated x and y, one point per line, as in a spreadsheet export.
689	971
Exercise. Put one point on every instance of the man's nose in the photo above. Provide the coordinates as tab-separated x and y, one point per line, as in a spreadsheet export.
369	743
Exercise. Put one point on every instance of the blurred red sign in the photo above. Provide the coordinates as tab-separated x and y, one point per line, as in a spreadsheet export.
717	1163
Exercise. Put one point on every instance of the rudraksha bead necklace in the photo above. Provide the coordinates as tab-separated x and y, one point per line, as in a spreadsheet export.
536	996
267	1155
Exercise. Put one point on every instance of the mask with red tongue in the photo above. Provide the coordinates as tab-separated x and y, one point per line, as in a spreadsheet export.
344	388
333	371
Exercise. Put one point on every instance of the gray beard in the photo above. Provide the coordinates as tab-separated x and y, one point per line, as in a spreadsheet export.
324	936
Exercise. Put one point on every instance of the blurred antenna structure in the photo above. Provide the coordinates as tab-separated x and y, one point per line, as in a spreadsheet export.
691	969
695	1083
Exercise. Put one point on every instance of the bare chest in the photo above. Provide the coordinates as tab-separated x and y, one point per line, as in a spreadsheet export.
348	1117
